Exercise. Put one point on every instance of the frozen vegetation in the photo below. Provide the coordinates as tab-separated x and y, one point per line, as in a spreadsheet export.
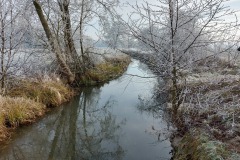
191	46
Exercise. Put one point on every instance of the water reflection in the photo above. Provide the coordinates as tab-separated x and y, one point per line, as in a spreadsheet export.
155	106
102	123
86	131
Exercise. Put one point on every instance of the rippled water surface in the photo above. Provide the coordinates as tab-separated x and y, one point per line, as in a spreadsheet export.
101	123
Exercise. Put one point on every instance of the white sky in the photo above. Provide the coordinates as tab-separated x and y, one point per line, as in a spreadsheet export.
233	4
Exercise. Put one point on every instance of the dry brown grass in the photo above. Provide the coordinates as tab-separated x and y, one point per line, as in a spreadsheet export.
112	68
28	100
16	111
3	129
50	93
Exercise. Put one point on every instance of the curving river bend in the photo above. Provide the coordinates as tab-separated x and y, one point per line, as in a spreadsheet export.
102	123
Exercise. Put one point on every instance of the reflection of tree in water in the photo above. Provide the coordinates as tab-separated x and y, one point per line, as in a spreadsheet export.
100	140
143	67
155	106
83	130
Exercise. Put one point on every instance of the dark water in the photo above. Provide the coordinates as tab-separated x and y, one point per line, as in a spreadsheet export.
101	123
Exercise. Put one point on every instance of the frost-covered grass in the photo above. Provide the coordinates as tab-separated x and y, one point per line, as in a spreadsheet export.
215	105
198	145
211	101
209	77
101	55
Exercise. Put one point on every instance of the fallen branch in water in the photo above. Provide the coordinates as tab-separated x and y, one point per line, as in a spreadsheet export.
141	76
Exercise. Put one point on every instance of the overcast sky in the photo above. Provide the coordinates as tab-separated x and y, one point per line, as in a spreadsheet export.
233	4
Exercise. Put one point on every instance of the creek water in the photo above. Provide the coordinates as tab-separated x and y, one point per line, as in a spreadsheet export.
101	123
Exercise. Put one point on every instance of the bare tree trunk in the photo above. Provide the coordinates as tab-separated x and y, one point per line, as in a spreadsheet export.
174	91
53	43
173	28
2	63
81	33
2	53
68	38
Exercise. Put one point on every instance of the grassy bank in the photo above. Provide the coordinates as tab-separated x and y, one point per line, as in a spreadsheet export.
112	68
199	145
28	99
210	112
16	111
50	93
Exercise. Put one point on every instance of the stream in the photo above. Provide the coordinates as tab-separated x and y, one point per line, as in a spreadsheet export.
106	122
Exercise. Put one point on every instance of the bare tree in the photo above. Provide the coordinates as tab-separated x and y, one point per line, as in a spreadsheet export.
179	33
68	38
12	32
61	24
113	32
53	42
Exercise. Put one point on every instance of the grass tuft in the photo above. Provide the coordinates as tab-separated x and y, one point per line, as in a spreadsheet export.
50	93
199	146
16	111
112	68
3	129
